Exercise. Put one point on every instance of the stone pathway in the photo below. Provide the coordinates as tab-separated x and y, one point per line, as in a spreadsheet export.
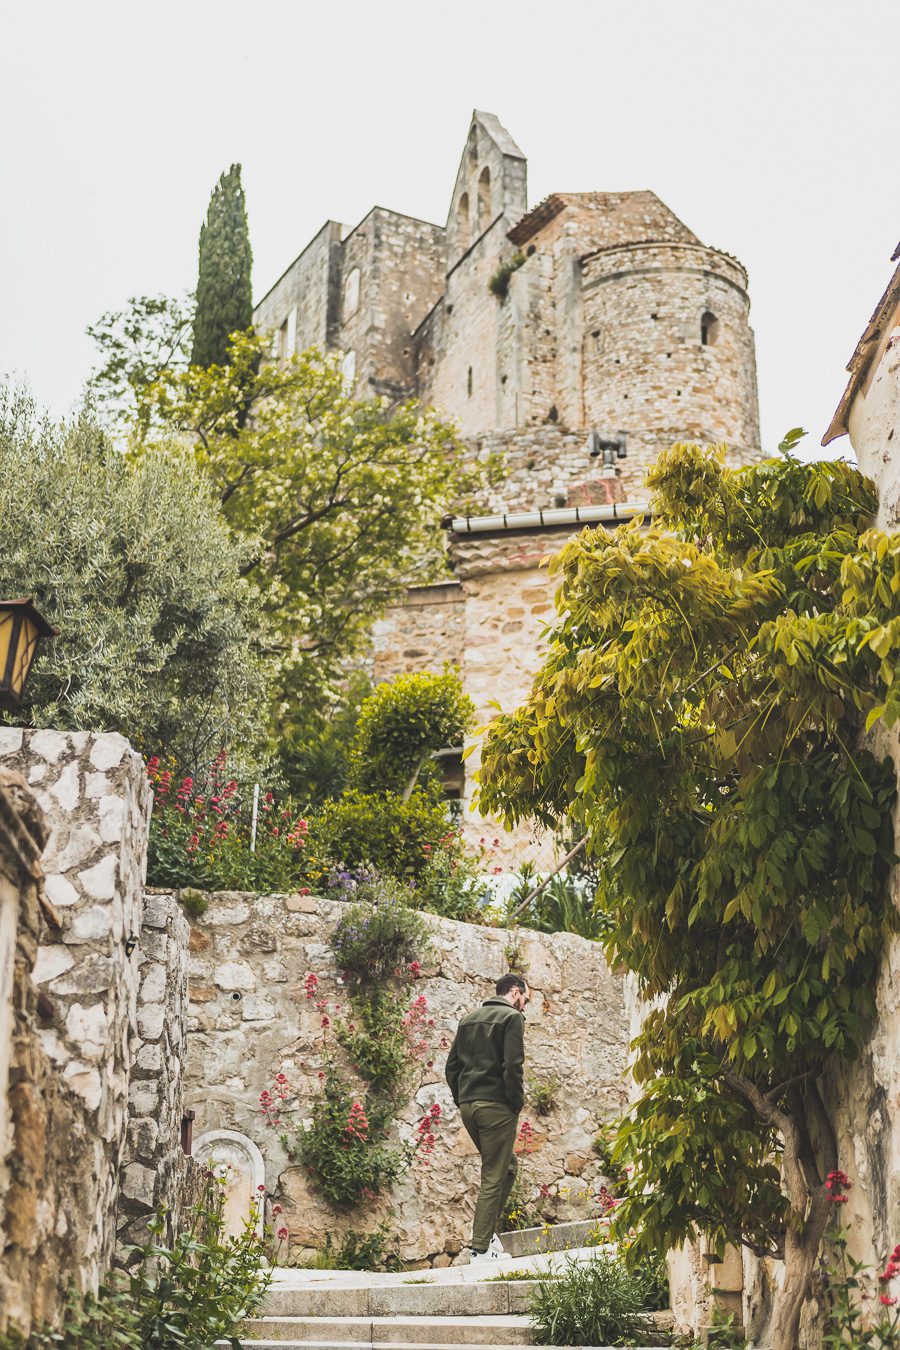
461	1306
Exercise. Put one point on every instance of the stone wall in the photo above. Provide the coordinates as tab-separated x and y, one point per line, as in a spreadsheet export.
250	1019
97	986
153	1164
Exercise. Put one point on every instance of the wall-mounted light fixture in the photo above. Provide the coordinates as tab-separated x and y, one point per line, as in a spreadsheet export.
21	629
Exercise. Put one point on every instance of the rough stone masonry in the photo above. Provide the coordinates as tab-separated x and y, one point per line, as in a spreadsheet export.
250	1019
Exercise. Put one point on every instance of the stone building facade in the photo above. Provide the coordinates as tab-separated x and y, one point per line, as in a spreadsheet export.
592	312
575	339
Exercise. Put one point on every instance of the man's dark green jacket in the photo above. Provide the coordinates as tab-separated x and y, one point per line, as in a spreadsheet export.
487	1058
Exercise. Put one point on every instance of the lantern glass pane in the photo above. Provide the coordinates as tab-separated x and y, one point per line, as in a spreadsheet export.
24	656
7	624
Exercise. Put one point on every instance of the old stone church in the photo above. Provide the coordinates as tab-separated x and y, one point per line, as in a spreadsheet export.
579	337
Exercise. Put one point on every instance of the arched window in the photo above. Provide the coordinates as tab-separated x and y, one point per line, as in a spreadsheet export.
709	329
348	370
351	294
462	222
484	199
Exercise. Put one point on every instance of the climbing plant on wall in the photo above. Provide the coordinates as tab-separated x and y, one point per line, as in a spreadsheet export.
699	717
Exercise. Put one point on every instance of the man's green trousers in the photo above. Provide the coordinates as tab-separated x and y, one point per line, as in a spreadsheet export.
492	1128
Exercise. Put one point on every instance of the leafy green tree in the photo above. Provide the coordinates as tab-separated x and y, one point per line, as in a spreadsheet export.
342	498
699	717
137	344
403	723
160	635
224	295
315	741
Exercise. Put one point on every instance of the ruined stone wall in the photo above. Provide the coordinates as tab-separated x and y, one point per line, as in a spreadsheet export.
310	291
401	264
250	1020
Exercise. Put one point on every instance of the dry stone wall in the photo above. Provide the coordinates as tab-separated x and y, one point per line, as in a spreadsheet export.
97	1025
250	1019
153	1164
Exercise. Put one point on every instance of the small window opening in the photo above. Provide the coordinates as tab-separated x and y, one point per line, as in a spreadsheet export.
484	199
351	294
469	382
709	329
462	221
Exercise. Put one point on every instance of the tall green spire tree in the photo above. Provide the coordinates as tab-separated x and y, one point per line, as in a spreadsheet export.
224	296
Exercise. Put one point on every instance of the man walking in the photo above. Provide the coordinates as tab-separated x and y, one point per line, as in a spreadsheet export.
486	1074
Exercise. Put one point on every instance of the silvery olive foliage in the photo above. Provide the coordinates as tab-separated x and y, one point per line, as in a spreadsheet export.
160	634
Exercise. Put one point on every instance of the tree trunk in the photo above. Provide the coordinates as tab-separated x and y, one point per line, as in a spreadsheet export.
810	1204
801	1248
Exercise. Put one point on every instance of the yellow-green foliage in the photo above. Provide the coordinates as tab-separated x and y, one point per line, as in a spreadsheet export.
699	718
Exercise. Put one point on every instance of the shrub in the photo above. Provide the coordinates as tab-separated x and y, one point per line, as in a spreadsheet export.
597	1303
365	829
338	1150
401	725
200	833
190	1294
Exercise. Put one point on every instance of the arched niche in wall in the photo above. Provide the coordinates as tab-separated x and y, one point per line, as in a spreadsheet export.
484	200
237	1160
709	329
351	293
462	222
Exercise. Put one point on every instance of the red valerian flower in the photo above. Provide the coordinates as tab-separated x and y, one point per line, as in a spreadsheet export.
282	1234
888	1301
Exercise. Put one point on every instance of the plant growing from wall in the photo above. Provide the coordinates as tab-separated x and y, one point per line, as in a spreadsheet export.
861	1308
698	717
499	282
343	1145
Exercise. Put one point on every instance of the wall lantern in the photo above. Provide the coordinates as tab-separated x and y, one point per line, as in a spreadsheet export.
21	629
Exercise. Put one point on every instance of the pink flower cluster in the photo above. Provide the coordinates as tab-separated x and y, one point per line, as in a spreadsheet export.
836	1183
414	1020
890	1272
358	1123
272	1103
425	1129
525	1138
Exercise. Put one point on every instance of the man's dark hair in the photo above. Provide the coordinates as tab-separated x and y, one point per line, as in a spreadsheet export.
507	983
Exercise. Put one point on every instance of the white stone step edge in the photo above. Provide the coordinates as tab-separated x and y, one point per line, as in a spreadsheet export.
287	1277
401	1345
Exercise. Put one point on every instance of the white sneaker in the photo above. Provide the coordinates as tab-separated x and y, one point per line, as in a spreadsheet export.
484	1258
497	1246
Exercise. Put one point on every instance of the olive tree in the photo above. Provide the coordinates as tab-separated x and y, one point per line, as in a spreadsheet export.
160	635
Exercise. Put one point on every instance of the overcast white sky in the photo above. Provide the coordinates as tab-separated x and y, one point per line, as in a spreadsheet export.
770	128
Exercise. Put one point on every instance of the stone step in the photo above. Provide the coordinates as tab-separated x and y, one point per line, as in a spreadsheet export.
405	1345
410	1299
555	1237
488	1329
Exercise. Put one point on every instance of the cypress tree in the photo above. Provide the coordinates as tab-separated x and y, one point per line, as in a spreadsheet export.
224	297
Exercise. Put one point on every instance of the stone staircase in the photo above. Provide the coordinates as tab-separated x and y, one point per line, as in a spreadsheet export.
465	1306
